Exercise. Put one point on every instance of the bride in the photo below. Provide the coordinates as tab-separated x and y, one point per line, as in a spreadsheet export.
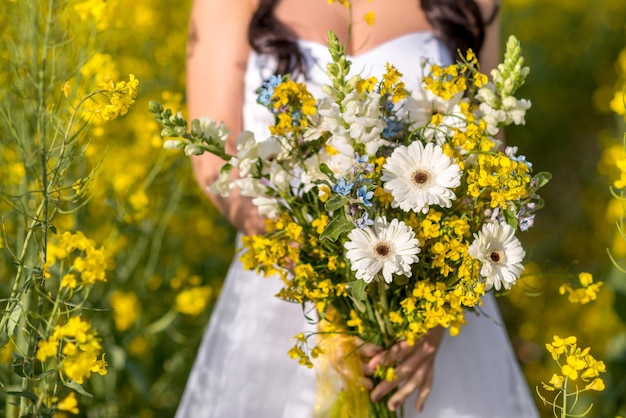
242	368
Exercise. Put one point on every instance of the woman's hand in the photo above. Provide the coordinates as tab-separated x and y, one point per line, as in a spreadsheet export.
414	368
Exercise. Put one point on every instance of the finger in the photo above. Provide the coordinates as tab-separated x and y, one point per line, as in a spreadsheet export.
368	350
411	369
382	389
367	383
394	354
420	380
424	391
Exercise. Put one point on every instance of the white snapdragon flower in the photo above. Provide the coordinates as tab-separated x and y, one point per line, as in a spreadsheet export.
515	109
280	175
173	144
250	187
223	185
339	164
210	129
267	206
421	107
494	118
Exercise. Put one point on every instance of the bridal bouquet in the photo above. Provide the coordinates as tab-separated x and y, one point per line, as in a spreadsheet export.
389	212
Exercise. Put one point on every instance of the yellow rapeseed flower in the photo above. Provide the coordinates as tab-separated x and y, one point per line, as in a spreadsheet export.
69	404
193	301
126	309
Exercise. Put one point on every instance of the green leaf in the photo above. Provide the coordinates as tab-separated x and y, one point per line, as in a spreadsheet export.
28	395
326	170
358	290
401	280
360	306
14	318
511	219
542	179
78	388
336	202
336	227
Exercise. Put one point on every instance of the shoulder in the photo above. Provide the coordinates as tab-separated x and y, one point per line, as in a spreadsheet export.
489	10
222	13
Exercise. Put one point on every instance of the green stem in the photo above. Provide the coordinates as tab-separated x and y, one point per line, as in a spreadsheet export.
41	134
564	404
17	284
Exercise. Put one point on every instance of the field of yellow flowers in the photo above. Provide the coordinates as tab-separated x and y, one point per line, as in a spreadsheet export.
111	258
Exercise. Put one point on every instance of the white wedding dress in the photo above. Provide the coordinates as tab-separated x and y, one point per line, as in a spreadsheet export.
242	369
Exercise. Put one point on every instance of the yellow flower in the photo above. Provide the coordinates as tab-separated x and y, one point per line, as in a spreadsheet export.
390	374
139	346
66	89
47	348
369	18
366	85
320	223
355	321
121	97
100	366
126	309
69	281
69	404
597	385
193	301
585	278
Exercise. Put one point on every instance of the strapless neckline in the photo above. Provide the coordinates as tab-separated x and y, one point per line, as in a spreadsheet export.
409	36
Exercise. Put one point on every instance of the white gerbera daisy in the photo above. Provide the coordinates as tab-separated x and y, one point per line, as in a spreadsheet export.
418	176
501	254
390	247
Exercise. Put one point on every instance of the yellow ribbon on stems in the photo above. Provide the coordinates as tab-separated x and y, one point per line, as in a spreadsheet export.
341	390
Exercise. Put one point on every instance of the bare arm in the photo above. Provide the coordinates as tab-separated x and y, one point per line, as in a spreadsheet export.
216	59
490	54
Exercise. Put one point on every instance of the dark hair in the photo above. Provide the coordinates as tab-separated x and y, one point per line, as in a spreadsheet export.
459	23
268	35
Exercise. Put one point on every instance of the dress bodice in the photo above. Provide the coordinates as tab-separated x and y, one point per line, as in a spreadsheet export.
408	53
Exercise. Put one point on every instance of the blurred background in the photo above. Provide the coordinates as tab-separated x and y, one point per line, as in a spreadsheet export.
169	250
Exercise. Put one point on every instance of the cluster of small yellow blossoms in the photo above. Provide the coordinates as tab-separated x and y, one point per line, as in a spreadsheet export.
77	347
575	364
69	404
193	301
391	84
293	104
126	308
502	177
121	97
447	82
429	305
584	294
471	138
86	269
300	351
96	11
279	248
442	240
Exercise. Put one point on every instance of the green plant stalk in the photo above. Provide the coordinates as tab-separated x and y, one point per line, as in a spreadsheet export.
564	404
42	132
